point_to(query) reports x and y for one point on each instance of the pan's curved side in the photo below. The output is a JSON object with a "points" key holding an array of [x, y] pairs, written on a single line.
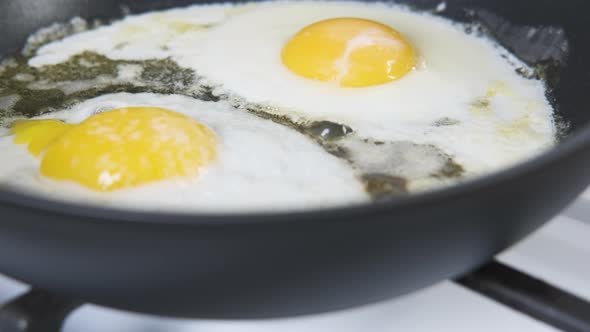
{"points": [[266, 270]]}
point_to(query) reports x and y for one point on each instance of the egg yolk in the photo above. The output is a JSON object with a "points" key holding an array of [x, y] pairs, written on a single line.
{"points": [[38, 134], [350, 51], [120, 148]]}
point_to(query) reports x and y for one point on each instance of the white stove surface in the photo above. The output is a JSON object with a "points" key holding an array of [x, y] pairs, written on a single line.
{"points": [[558, 253]]}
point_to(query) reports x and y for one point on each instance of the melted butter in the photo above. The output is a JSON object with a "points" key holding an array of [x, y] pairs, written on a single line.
{"points": [[518, 129]]}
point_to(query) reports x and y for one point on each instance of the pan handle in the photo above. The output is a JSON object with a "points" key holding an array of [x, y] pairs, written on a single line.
{"points": [[36, 311]]}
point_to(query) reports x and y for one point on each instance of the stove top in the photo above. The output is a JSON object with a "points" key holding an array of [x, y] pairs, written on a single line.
{"points": [[557, 254]]}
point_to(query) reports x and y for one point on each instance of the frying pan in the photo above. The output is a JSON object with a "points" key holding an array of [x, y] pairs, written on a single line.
{"points": [[277, 264]]}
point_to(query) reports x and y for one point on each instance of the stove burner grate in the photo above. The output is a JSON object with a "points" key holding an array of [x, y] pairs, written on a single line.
{"points": [[42, 311]]}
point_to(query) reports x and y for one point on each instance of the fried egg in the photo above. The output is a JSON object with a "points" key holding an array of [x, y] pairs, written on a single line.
{"points": [[462, 95], [387, 72], [119, 148], [154, 152]]}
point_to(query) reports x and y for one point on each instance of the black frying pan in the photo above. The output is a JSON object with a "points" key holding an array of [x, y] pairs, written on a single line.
{"points": [[268, 265]]}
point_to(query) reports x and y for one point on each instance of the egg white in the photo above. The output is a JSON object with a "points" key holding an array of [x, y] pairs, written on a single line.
{"points": [[237, 49], [455, 70], [260, 165]]}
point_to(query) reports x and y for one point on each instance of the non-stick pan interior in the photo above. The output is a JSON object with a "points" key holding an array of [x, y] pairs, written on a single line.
{"points": [[356, 256]]}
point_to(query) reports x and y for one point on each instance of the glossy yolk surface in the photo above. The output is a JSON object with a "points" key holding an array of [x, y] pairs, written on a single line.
{"points": [[120, 148], [350, 51], [38, 134]]}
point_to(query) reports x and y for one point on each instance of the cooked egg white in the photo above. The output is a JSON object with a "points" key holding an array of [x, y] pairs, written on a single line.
{"points": [[498, 117], [462, 95], [258, 165]]}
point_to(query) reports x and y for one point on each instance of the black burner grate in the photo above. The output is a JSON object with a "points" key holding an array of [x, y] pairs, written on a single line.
{"points": [[530, 296], [36, 311], [41, 311]]}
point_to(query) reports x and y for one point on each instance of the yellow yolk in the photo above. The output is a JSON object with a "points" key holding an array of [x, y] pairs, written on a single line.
{"points": [[350, 51], [38, 134], [120, 148]]}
